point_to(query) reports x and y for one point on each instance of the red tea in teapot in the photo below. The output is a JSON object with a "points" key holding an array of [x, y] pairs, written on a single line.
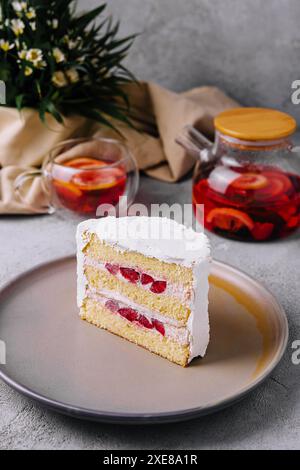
{"points": [[252, 202], [248, 179]]}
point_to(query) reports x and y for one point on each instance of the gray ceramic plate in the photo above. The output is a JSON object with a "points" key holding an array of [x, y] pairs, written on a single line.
{"points": [[73, 367]]}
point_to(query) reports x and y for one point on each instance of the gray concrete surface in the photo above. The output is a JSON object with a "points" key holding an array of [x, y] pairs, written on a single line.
{"points": [[251, 49], [268, 418]]}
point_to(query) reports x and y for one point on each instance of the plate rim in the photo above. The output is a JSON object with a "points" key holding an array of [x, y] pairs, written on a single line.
{"points": [[149, 418]]}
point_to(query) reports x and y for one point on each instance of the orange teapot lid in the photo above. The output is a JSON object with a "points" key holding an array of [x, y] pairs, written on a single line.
{"points": [[253, 124]]}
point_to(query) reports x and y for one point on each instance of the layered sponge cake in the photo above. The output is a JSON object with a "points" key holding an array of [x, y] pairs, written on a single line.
{"points": [[146, 280]]}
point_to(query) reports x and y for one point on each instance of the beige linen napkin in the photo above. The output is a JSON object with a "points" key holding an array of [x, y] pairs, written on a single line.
{"points": [[159, 115]]}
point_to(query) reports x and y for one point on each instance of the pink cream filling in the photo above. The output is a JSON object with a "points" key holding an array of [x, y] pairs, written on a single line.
{"points": [[134, 316], [141, 318], [146, 281]]}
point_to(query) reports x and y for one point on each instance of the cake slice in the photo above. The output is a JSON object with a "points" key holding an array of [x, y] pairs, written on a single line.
{"points": [[146, 280]]}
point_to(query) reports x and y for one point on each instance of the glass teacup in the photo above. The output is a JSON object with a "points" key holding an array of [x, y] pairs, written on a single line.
{"points": [[81, 174]]}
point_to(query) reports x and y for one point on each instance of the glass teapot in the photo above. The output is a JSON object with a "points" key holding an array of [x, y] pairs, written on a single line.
{"points": [[248, 180]]}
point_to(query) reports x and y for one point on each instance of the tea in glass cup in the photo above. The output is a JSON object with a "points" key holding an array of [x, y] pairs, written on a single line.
{"points": [[82, 174]]}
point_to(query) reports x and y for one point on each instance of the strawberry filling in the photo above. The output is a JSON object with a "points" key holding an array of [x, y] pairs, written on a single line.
{"points": [[128, 313], [158, 287], [130, 274], [136, 277], [133, 315], [112, 268], [146, 279], [145, 322], [112, 305], [159, 326]]}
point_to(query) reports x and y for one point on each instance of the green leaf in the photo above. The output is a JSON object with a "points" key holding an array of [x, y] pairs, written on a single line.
{"points": [[82, 21], [97, 116], [19, 101], [51, 108]]}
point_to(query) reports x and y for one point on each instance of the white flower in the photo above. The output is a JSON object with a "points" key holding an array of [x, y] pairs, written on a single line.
{"points": [[31, 14], [53, 23], [22, 54], [19, 6], [5, 45], [36, 57], [33, 25], [72, 75], [59, 79], [28, 71], [17, 26], [71, 43], [58, 55]]}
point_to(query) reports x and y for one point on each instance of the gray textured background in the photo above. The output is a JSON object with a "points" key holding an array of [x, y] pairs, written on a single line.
{"points": [[250, 48]]}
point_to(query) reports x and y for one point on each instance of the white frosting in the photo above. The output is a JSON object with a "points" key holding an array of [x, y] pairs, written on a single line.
{"points": [[156, 237], [166, 240], [198, 322]]}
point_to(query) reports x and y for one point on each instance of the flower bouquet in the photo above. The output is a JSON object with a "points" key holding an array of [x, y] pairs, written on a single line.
{"points": [[61, 69]]}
